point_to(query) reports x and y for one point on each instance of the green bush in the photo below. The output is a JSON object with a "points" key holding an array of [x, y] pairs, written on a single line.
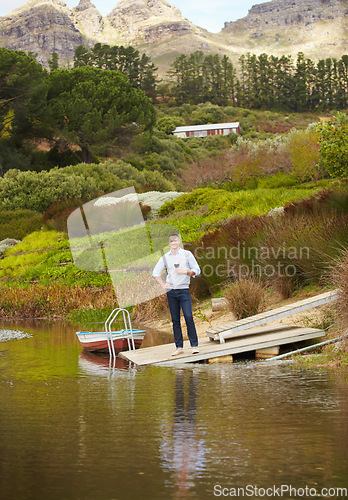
{"points": [[18, 223], [304, 153], [278, 180], [334, 144], [38, 190]]}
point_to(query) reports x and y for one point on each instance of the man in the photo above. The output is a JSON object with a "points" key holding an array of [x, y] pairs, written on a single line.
{"points": [[180, 265]]}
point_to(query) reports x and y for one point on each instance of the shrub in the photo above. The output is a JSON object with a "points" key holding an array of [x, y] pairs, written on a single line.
{"points": [[38, 190], [334, 144], [304, 153], [57, 214], [150, 310], [246, 297], [293, 251], [18, 223], [339, 278], [166, 125], [205, 172]]}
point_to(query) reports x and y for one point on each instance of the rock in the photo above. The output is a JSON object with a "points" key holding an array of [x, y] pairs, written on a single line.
{"points": [[219, 304], [6, 244], [148, 20], [41, 27], [90, 21], [283, 13], [47, 26]]}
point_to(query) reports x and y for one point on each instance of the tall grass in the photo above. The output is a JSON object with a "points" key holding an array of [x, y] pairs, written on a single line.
{"points": [[339, 278], [246, 297], [45, 257], [57, 300], [206, 209], [286, 251]]}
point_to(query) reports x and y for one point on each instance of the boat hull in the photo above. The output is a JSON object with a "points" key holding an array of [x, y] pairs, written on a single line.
{"points": [[97, 341]]}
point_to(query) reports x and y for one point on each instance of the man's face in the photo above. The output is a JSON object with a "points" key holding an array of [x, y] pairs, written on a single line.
{"points": [[174, 242]]}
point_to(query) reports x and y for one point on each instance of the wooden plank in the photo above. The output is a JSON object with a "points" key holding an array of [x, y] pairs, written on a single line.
{"points": [[268, 352], [161, 355], [230, 329]]}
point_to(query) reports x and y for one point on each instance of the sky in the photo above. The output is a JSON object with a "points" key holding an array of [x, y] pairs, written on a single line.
{"points": [[207, 14]]}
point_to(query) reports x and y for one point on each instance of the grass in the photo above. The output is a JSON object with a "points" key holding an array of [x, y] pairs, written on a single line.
{"points": [[54, 300], [45, 257], [246, 297], [206, 209], [18, 223], [332, 356], [38, 276]]}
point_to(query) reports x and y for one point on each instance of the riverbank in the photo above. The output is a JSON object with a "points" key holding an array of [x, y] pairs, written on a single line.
{"points": [[333, 356]]}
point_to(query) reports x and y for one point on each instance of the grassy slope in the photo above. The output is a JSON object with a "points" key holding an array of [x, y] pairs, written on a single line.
{"points": [[44, 256], [204, 210]]}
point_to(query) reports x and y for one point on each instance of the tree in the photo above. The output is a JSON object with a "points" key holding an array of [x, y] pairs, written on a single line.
{"points": [[22, 92], [88, 106], [53, 63], [22, 106], [138, 68], [334, 145], [166, 124]]}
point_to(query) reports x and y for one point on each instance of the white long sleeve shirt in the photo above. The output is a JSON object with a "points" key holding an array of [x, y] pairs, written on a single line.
{"points": [[183, 259]]}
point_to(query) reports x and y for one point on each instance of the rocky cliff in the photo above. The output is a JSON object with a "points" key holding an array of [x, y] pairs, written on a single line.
{"points": [[317, 27], [149, 21], [284, 13], [41, 27]]}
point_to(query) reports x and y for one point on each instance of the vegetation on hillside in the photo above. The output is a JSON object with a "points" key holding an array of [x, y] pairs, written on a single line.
{"points": [[260, 82], [273, 199]]}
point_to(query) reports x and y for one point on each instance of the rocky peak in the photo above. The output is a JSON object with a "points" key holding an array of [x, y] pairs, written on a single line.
{"points": [[148, 20], [84, 5], [35, 4], [90, 21], [41, 27], [283, 13]]}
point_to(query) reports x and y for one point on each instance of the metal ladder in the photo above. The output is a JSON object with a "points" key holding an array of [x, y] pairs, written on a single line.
{"points": [[126, 333]]}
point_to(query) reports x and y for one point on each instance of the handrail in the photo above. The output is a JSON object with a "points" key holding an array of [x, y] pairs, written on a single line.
{"points": [[128, 331]]}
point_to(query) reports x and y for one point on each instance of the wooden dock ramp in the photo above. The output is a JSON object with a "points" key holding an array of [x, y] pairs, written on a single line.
{"points": [[229, 330], [256, 339]]}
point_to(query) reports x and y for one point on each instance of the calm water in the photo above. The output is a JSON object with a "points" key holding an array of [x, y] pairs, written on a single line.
{"points": [[71, 428]]}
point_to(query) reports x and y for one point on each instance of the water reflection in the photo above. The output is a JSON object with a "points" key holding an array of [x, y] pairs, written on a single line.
{"points": [[99, 365], [182, 450], [73, 428]]}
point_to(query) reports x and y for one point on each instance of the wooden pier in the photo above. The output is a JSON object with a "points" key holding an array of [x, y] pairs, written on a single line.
{"points": [[245, 335], [261, 340], [229, 330]]}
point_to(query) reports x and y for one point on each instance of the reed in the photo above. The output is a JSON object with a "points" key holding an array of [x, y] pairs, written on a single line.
{"points": [[339, 278], [245, 297], [150, 310], [57, 300]]}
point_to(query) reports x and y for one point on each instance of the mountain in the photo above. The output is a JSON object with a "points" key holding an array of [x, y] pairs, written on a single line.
{"points": [[40, 26], [316, 27]]}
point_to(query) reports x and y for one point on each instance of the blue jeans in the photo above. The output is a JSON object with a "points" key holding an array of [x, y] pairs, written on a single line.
{"points": [[182, 299]]}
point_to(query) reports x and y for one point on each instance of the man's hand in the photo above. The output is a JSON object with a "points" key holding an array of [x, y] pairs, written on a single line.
{"points": [[164, 285], [188, 272]]}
